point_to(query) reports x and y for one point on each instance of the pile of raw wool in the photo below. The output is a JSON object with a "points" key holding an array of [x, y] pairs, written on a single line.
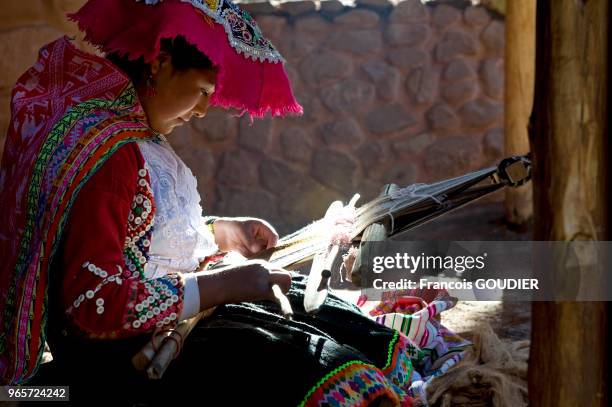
{"points": [[493, 373]]}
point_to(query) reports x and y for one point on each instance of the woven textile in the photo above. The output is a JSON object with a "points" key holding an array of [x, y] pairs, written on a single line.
{"points": [[70, 112], [436, 348]]}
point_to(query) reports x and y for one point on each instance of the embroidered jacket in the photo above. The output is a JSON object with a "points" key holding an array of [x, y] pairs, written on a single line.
{"points": [[105, 293], [70, 114]]}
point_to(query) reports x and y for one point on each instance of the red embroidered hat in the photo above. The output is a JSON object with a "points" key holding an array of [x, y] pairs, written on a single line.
{"points": [[251, 76]]}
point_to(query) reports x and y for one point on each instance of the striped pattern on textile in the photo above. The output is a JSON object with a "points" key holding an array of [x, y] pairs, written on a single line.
{"points": [[437, 348]]}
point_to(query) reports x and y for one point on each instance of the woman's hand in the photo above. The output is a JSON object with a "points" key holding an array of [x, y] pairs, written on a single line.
{"points": [[247, 236], [249, 281]]}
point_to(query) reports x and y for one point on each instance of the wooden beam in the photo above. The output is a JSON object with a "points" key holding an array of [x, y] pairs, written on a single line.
{"points": [[569, 139], [519, 83]]}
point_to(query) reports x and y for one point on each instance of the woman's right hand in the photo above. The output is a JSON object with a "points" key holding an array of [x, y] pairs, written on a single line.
{"points": [[251, 280]]}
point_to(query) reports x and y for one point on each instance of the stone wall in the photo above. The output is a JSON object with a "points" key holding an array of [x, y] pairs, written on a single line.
{"points": [[399, 93]]}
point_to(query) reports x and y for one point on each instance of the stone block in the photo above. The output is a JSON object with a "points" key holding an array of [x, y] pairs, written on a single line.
{"points": [[294, 76], [218, 125], [296, 144], [334, 169], [255, 9], [320, 68], [401, 174], [312, 107], [481, 112], [368, 189], [296, 8], [342, 132], [313, 25], [255, 136], [294, 47], [458, 69], [445, 15], [422, 85], [272, 26], [442, 117], [456, 43], [309, 204], [493, 143], [246, 201], [375, 4], [348, 95], [331, 6], [360, 42], [408, 58], [279, 178], [358, 18], [385, 78], [407, 35], [412, 145], [492, 74], [370, 154], [457, 92], [200, 160], [476, 16], [494, 38], [237, 167], [389, 118], [409, 11], [452, 157]]}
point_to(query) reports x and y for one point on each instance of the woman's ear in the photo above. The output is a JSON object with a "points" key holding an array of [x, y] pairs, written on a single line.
{"points": [[163, 61]]}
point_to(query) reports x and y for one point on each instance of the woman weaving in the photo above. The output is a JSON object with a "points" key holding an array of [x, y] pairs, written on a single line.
{"points": [[102, 236]]}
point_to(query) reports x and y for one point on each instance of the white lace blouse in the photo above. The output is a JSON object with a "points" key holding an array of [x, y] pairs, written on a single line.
{"points": [[180, 238]]}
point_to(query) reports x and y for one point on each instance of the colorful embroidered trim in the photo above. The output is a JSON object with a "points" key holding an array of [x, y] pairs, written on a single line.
{"points": [[140, 227], [243, 33], [158, 308], [90, 294], [69, 173], [356, 382]]}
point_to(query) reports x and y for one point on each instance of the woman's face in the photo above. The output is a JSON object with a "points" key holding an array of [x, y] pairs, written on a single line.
{"points": [[179, 95]]}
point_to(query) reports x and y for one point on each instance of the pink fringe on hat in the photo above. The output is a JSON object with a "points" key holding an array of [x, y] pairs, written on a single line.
{"points": [[251, 78]]}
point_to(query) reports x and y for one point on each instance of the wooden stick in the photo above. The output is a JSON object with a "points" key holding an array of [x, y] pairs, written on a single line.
{"points": [[162, 359], [154, 362], [282, 301]]}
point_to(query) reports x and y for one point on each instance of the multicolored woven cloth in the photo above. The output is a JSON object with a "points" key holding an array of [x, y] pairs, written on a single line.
{"points": [[70, 112], [436, 348]]}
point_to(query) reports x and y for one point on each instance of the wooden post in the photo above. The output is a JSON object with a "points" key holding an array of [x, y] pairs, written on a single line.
{"points": [[519, 77], [569, 143]]}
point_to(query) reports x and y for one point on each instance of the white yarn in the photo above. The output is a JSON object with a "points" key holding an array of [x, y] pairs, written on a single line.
{"points": [[411, 191]]}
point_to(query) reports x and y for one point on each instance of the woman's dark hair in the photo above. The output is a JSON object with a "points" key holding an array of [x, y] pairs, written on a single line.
{"points": [[183, 54]]}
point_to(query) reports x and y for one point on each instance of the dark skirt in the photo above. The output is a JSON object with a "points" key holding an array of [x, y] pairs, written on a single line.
{"points": [[248, 354]]}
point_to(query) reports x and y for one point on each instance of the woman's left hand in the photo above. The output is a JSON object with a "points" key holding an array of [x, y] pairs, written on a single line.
{"points": [[246, 236]]}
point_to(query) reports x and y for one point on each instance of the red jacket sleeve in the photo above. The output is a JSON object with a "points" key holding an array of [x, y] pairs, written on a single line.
{"points": [[106, 239]]}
